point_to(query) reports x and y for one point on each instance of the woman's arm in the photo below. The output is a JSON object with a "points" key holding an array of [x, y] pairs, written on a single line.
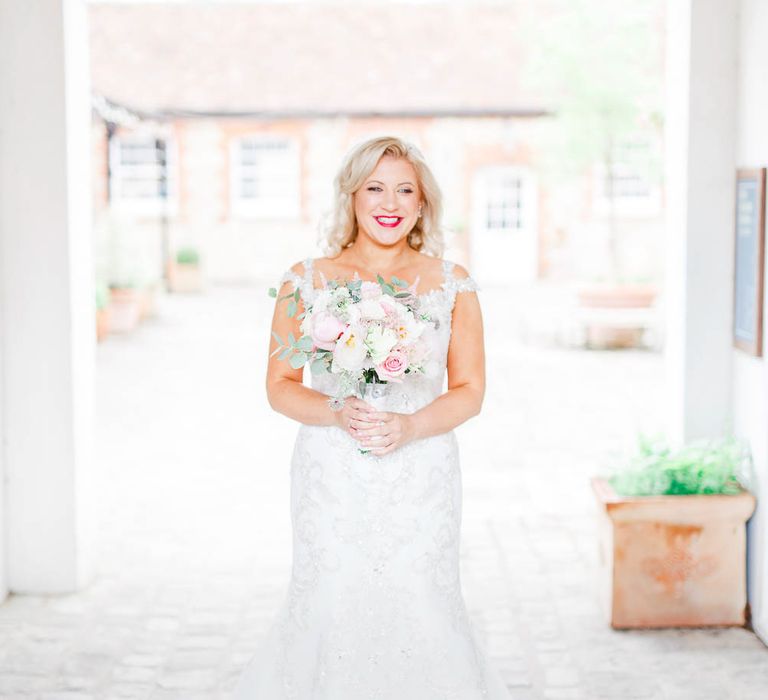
{"points": [[285, 389], [466, 383]]}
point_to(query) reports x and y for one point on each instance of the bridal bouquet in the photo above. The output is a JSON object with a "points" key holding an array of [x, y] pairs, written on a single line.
{"points": [[365, 332]]}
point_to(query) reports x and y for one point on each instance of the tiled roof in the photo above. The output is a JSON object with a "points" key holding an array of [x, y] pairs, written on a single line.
{"points": [[345, 57]]}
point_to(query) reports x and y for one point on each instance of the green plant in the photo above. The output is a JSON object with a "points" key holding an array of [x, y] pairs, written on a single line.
{"points": [[187, 256], [716, 466], [102, 295]]}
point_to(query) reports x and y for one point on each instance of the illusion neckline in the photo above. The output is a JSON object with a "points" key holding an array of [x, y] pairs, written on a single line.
{"points": [[428, 293], [443, 288]]}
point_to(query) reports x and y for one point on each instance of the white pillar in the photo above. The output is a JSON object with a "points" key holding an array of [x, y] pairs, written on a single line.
{"points": [[46, 293], [700, 178]]}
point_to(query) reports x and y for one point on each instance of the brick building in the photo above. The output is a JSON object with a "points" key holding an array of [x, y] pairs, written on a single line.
{"points": [[253, 107]]}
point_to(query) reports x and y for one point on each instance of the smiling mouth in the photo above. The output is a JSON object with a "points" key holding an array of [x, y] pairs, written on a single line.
{"points": [[388, 221]]}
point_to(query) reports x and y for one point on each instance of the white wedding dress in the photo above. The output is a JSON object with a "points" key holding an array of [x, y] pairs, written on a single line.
{"points": [[374, 609]]}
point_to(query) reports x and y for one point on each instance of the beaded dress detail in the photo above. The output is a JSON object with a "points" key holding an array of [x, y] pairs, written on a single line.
{"points": [[374, 609]]}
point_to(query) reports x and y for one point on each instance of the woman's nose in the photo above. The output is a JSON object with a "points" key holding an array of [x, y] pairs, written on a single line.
{"points": [[390, 201]]}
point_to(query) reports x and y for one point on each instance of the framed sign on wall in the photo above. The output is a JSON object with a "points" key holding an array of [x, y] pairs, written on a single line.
{"points": [[748, 260]]}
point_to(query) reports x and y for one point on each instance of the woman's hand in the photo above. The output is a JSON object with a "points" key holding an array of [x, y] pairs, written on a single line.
{"points": [[354, 414], [383, 431]]}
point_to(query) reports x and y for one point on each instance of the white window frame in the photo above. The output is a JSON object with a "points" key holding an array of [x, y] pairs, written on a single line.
{"points": [[635, 172], [287, 205], [525, 206], [144, 206]]}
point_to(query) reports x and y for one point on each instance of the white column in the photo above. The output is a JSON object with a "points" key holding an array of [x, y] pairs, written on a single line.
{"points": [[46, 293], [700, 157]]}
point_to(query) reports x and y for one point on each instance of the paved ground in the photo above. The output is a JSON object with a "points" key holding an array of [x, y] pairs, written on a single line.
{"points": [[194, 540]]}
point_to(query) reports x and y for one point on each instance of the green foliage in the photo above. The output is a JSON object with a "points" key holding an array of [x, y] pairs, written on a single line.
{"points": [[187, 256], [716, 466], [102, 295]]}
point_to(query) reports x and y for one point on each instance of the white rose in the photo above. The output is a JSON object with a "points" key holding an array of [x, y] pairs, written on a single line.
{"points": [[370, 308], [380, 341]]}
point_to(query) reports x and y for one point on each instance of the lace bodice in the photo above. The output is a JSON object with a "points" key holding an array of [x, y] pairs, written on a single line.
{"points": [[417, 390]]}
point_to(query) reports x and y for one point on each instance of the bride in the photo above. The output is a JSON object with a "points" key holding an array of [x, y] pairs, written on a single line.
{"points": [[374, 609]]}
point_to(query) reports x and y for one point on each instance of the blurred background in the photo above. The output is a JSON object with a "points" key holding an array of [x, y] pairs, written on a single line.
{"points": [[218, 128], [162, 165]]}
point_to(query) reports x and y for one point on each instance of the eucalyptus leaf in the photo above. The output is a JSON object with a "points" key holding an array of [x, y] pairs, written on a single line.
{"points": [[285, 354], [292, 308], [304, 343], [291, 339], [318, 366], [272, 292], [278, 338], [298, 360]]}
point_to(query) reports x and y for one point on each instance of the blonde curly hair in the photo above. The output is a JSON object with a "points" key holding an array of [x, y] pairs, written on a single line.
{"points": [[358, 164]]}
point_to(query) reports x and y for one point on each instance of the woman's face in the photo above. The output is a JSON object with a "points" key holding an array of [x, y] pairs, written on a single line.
{"points": [[387, 205]]}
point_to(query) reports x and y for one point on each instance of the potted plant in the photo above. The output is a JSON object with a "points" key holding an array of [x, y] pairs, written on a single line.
{"points": [[672, 535], [103, 311], [125, 305], [184, 274], [603, 300]]}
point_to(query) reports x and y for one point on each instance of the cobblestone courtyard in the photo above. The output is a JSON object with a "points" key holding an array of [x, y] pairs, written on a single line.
{"points": [[193, 528]]}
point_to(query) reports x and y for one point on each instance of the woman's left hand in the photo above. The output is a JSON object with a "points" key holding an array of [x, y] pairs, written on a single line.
{"points": [[388, 432]]}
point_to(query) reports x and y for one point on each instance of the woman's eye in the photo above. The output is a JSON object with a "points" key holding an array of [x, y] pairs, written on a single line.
{"points": [[375, 188]]}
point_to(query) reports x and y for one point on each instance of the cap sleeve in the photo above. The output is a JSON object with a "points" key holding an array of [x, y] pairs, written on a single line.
{"points": [[303, 284], [291, 276], [456, 284], [466, 284]]}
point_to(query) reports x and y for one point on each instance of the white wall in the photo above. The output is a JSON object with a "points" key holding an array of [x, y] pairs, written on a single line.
{"points": [[700, 152], [750, 399], [47, 335]]}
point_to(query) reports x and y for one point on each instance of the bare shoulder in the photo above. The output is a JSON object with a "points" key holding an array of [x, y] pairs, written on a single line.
{"points": [[298, 267], [460, 272]]}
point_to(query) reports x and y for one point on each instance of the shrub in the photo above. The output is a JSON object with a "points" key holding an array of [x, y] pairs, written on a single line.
{"points": [[187, 256], [715, 466]]}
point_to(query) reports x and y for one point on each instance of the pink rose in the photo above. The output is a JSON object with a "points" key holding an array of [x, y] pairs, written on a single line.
{"points": [[393, 366], [326, 329]]}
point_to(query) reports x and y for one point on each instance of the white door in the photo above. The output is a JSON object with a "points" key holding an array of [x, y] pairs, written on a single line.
{"points": [[504, 236]]}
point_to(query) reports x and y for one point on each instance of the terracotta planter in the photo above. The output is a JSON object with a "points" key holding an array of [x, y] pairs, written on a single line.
{"points": [[125, 306], [607, 326], [185, 277], [673, 561], [616, 296], [103, 323]]}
